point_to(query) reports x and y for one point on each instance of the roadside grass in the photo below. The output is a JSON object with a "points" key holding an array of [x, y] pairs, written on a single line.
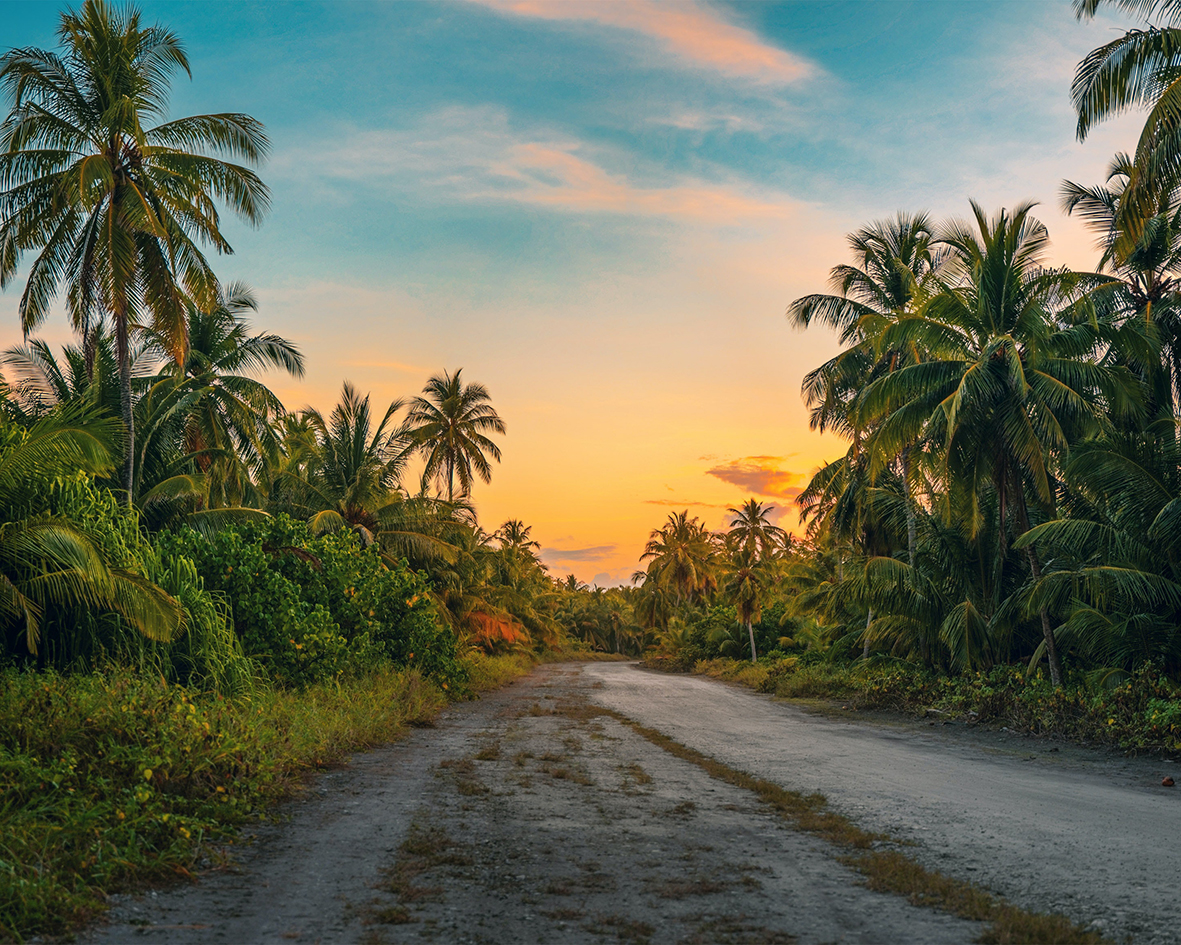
{"points": [[886, 870], [113, 781], [1140, 711]]}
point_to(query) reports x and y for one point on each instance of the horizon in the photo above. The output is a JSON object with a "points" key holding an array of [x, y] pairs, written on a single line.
{"points": [[602, 212]]}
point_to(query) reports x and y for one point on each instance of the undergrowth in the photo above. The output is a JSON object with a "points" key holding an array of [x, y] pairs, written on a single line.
{"points": [[1142, 712], [111, 781]]}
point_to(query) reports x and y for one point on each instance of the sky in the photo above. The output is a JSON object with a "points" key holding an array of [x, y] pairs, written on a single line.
{"points": [[601, 211]]}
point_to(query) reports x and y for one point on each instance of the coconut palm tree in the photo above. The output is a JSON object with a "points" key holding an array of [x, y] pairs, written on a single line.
{"points": [[448, 426], [116, 206], [683, 558], [745, 587], [752, 532], [1007, 386], [227, 428], [897, 267], [356, 468], [1140, 69]]}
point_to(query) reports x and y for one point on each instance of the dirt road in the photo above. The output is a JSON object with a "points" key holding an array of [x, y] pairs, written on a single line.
{"points": [[1052, 827], [529, 817]]}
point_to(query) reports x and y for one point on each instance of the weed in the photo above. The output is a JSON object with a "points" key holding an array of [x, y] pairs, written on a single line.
{"points": [[733, 930], [684, 888], [625, 930]]}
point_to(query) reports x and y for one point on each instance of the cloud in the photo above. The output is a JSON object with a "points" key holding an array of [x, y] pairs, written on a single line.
{"points": [[592, 553], [686, 503], [694, 33], [760, 475], [473, 155]]}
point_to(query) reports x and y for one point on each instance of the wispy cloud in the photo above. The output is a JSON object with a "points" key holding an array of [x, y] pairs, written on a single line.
{"points": [[592, 553], [472, 154], [687, 503], [760, 475], [695, 34]]}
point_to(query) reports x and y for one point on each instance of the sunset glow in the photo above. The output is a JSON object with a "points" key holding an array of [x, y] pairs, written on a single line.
{"points": [[602, 210]]}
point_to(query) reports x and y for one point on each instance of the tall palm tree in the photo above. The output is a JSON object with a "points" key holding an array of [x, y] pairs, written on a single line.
{"points": [[1143, 295], [745, 586], [356, 468], [1140, 69], [448, 426], [228, 427], [118, 207], [752, 532], [897, 266], [682, 556], [1008, 386]]}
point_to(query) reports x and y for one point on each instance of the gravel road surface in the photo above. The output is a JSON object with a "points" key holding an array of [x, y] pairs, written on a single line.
{"points": [[1052, 827]]}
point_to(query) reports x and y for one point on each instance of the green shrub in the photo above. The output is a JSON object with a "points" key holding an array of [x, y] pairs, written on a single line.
{"points": [[110, 780], [313, 608]]}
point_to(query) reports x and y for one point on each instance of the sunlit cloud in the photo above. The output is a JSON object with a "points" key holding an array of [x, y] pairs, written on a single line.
{"points": [[472, 155], [593, 553], [760, 475], [694, 33], [685, 503]]}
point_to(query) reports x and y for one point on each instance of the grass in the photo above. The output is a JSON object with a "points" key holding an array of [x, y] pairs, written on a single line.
{"points": [[884, 869], [114, 781], [1141, 712]]}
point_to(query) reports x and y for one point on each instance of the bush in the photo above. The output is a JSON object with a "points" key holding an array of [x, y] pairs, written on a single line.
{"points": [[114, 779], [315, 608]]}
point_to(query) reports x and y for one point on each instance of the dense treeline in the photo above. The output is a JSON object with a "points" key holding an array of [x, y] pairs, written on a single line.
{"points": [[164, 509], [1011, 488]]}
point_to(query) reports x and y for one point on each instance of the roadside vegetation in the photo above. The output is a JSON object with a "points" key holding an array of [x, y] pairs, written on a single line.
{"points": [[1000, 538], [203, 594]]}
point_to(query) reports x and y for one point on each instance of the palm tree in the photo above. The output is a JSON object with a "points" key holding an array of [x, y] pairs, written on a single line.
{"points": [[1140, 69], [49, 562], [117, 207], [682, 557], [752, 532], [1008, 387], [448, 427], [356, 469], [1142, 297], [745, 587], [227, 428], [897, 266]]}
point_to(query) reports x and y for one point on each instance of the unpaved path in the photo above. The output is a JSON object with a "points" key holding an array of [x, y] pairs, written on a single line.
{"points": [[1053, 828], [525, 818]]}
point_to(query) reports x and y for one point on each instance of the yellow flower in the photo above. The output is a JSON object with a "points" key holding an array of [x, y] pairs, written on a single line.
{"points": [[120, 815], [184, 833], [220, 789]]}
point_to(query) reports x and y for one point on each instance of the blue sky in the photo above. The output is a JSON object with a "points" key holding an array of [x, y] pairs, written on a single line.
{"points": [[602, 211]]}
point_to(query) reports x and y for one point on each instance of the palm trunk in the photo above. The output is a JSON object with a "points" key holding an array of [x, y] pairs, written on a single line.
{"points": [[1035, 568], [1047, 631], [865, 636], [123, 354], [910, 526], [751, 630]]}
